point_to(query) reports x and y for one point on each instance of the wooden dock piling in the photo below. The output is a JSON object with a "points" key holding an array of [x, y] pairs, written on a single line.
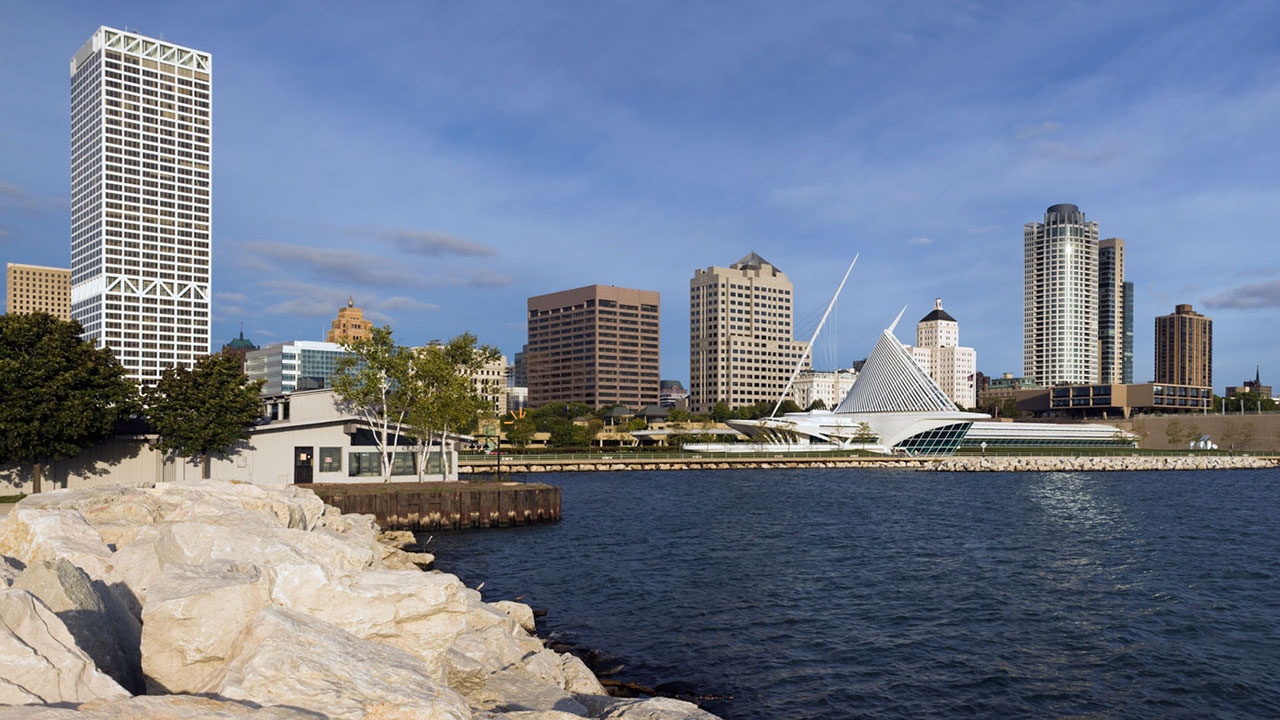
{"points": [[446, 505]]}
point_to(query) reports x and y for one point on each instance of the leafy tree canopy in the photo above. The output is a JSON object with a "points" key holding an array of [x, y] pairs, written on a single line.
{"points": [[58, 394], [205, 409]]}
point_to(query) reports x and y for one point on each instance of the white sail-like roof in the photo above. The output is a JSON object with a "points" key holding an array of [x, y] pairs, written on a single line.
{"points": [[892, 381]]}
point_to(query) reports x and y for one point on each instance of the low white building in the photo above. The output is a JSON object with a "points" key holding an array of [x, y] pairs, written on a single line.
{"points": [[829, 387], [938, 351], [307, 437]]}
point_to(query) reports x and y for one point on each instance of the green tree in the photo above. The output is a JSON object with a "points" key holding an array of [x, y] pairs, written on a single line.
{"points": [[817, 405], [1175, 432], [864, 435], [721, 412], [203, 410], [520, 431], [679, 415], [440, 395], [369, 382], [58, 394]]}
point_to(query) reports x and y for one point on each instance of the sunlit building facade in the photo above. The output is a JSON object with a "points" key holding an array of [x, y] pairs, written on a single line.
{"points": [[140, 199], [1060, 298]]}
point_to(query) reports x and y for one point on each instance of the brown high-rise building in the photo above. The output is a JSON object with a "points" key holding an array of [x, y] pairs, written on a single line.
{"points": [[35, 288], [596, 345], [349, 325], [1184, 348]]}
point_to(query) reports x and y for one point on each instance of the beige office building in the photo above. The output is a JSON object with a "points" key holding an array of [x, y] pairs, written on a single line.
{"points": [[140, 199], [349, 325], [939, 353], [35, 288], [490, 381], [1184, 348], [596, 345], [741, 349]]}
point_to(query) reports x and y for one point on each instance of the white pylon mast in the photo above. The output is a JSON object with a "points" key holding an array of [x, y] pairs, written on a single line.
{"points": [[809, 348]]}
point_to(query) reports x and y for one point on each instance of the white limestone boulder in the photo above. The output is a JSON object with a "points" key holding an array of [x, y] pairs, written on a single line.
{"points": [[192, 618], [286, 658], [136, 566], [9, 571], [289, 507], [514, 690], [421, 613], [117, 512], [40, 662], [654, 709], [159, 707], [521, 613], [30, 534], [100, 625], [564, 671]]}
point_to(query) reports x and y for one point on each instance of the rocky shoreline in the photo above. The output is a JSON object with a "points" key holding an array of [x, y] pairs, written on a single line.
{"points": [[221, 600], [1103, 464]]}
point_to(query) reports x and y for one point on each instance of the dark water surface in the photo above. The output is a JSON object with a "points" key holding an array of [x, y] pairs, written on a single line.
{"points": [[895, 594]]}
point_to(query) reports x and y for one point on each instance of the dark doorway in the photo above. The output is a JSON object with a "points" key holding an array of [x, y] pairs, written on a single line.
{"points": [[303, 466]]}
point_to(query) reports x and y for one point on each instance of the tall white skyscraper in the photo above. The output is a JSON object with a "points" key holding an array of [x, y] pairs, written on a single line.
{"points": [[140, 200], [1060, 298]]}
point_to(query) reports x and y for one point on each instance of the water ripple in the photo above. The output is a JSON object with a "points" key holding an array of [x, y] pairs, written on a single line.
{"points": [[887, 594]]}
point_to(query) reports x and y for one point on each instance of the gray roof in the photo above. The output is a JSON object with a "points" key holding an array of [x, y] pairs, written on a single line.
{"points": [[751, 261]]}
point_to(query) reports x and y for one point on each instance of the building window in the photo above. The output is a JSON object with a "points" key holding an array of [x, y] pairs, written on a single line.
{"points": [[363, 464], [330, 459]]}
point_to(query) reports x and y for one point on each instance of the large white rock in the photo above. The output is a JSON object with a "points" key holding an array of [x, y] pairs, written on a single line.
{"points": [[158, 707], [655, 709], [101, 626], [10, 569], [30, 535], [521, 613], [564, 671], [515, 690], [40, 662], [289, 507], [115, 511], [193, 616], [286, 658], [421, 613], [139, 564]]}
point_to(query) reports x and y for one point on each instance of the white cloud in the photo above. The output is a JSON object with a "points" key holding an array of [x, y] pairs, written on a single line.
{"points": [[920, 241]]}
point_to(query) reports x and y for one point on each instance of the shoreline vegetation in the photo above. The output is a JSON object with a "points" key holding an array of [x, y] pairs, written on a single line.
{"points": [[227, 600]]}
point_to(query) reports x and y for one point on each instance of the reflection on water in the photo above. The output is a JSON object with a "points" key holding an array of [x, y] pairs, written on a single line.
{"points": [[838, 593]]}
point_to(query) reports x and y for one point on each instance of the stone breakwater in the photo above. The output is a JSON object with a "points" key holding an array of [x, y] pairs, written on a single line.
{"points": [[218, 600], [521, 467], [1103, 464]]}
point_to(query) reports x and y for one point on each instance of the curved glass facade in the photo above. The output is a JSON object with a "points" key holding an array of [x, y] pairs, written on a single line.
{"points": [[938, 441]]}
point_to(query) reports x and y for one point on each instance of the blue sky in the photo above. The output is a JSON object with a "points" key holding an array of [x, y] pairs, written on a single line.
{"points": [[441, 162]]}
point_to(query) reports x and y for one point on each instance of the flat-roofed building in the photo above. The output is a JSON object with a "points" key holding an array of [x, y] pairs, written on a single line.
{"points": [[36, 288], [741, 348], [1114, 338], [1111, 401], [829, 387], [1184, 348], [140, 199], [596, 345], [297, 365], [490, 381]]}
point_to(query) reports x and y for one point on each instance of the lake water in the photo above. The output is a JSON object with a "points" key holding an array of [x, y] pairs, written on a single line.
{"points": [[898, 594]]}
